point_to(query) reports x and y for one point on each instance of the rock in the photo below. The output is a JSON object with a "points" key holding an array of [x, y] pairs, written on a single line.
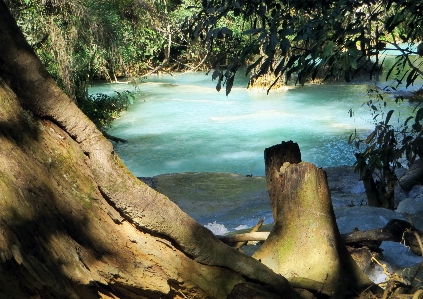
{"points": [[364, 218], [413, 176], [410, 206]]}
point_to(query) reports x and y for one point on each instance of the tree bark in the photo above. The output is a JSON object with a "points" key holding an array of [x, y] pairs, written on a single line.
{"points": [[75, 222], [274, 157], [305, 245]]}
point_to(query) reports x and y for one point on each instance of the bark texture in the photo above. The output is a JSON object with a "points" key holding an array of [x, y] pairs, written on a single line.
{"points": [[274, 157], [75, 222], [305, 245]]}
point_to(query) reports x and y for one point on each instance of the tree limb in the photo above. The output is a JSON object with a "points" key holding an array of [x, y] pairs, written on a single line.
{"points": [[396, 231]]}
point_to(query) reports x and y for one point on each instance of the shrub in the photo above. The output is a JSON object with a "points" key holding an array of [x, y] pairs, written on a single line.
{"points": [[387, 148], [102, 109]]}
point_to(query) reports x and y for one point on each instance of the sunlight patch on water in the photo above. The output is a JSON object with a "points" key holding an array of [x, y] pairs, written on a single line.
{"points": [[237, 155], [254, 116]]}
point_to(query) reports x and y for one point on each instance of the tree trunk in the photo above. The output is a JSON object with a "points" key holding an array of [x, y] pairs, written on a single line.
{"points": [[74, 222], [274, 157], [305, 245], [371, 191], [380, 193]]}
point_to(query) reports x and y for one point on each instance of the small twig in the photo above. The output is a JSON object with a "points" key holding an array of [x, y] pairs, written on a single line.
{"points": [[178, 292]]}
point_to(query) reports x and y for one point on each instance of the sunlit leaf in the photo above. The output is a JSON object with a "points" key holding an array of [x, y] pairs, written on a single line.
{"points": [[370, 137]]}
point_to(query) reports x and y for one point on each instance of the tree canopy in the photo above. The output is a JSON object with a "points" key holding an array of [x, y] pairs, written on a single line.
{"points": [[332, 39]]}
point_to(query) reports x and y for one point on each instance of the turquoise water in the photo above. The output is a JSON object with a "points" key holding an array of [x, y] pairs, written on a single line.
{"points": [[181, 123]]}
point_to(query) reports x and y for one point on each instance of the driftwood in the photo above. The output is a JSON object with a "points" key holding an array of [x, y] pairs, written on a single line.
{"points": [[254, 229], [395, 230], [244, 237]]}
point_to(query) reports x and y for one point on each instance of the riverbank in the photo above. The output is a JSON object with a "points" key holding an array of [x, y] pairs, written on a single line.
{"points": [[238, 201], [226, 202]]}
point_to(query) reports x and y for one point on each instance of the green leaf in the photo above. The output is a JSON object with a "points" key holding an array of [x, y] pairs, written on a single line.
{"points": [[280, 67], [410, 78], [285, 45], [388, 116], [350, 139], [226, 31], [285, 32], [216, 73], [252, 31], [328, 49], [252, 66], [419, 115], [229, 84], [219, 84], [407, 120], [315, 52], [380, 46], [370, 137]]}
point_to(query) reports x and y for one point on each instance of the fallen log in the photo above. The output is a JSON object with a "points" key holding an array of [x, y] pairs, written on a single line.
{"points": [[395, 230]]}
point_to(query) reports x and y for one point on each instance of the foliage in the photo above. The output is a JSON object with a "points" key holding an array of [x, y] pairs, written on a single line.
{"points": [[387, 148], [307, 38], [83, 39], [102, 109]]}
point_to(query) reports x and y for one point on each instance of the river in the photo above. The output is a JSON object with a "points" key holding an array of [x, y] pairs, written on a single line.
{"points": [[180, 123]]}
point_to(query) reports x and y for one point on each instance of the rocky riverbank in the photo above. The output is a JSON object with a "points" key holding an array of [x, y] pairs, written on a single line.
{"points": [[208, 197], [225, 202]]}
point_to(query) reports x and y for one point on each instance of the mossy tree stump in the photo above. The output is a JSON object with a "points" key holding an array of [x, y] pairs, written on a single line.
{"points": [[305, 245]]}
